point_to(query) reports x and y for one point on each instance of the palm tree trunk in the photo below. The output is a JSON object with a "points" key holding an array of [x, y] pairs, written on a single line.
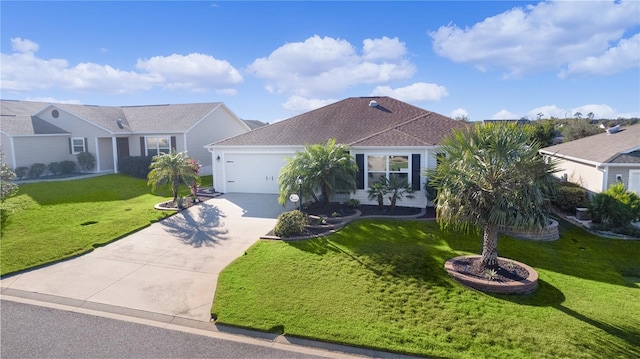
{"points": [[490, 246]]}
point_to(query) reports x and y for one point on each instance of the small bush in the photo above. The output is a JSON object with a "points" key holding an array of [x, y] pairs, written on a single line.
{"points": [[290, 224], [36, 170], [570, 196], [67, 167], [54, 168], [628, 230], [135, 166], [615, 208], [21, 172], [352, 203], [86, 160]]}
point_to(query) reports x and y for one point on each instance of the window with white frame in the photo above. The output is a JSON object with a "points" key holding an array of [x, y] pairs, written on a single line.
{"points": [[634, 181], [157, 145], [386, 166], [77, 145]]}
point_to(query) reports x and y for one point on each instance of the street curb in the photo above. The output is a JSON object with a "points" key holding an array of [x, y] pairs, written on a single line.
{"points": [[294, 344]]}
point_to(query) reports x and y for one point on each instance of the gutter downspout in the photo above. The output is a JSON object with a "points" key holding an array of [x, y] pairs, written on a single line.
{"points": [[605, 181]]}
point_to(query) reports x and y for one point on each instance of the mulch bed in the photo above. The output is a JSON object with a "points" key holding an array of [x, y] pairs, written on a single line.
{"points": [[329, 210], [507, 271], [186, 202]]}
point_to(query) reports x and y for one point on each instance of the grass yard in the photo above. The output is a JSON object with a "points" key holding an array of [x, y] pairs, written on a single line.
{"points": [[48, 221], [381, 284]]}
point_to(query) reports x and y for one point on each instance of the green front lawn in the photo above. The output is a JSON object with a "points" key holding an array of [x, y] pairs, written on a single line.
{"points": [[48, 221], [381, 284]]}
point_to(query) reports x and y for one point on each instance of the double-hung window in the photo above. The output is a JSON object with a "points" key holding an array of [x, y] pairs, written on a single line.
{"points": [[387, 166], [77, 145], [157, 145]]}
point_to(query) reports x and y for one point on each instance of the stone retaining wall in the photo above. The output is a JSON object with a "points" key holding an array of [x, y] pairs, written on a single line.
{"points": [[549, 233]]}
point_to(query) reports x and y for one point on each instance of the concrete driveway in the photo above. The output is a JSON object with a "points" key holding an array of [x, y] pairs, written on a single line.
{"points": [[169, 268]]}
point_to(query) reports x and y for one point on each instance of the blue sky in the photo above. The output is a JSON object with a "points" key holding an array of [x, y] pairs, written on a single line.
{"points": [[272, 60]]}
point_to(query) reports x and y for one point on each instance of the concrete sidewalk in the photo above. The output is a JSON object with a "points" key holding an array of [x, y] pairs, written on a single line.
{"points": [[169, 268]]}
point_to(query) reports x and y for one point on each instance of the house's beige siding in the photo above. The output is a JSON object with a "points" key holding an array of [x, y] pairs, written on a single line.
{"points": [[587, 176], [42, 149], [623, 172], [218, 125]]}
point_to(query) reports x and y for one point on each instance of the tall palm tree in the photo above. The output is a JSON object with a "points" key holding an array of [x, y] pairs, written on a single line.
{"points": [[172, 168], [491, 177], [322, 167]]}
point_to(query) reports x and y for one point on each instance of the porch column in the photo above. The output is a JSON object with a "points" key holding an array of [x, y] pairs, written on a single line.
{"points": [[114, 148]]}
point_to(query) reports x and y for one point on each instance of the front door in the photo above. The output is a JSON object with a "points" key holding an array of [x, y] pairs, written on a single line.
{"points": [[122, 143]]}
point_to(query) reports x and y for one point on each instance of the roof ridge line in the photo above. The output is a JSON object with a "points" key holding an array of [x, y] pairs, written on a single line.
{"points": [[391, 128]]}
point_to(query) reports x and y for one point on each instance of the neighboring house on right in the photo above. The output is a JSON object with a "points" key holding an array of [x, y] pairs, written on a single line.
{"points": [[596, 162]]}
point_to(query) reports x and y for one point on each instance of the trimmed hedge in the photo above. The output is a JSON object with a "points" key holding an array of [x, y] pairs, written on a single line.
{"points": [[67, 167], [137, 166], [290, 224], [21, 172], [37, 169], [570, 196]]}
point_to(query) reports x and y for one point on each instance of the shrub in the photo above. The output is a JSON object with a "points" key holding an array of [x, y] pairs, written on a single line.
{"points": [[21, 172], [627, 230], [67, 167], [616, 207], [135, 166], [55, 168], [36, 170], [86, 160], [352, 203], [290, 224], [570, 196]]}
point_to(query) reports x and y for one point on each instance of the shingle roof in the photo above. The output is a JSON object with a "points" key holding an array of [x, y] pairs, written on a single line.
{"points": [[601, 148], [353, 122], [17, 116]]}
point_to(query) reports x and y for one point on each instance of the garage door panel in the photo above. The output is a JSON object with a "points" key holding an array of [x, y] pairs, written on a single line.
{"points": [[253, 173]]}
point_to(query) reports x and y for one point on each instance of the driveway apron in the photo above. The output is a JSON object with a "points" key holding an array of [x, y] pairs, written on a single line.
{"points": [[170, 267]]}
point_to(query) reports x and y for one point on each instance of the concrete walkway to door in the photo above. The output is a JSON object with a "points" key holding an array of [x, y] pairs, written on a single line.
{"points": [[169, 268]]}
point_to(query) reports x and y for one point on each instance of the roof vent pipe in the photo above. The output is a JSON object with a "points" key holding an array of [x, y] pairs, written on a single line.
{"points": [[373, 103]]}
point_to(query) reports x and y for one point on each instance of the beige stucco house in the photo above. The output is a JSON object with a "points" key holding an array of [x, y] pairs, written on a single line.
{"points": [[596, 162], [40, 132], [385, 136]]}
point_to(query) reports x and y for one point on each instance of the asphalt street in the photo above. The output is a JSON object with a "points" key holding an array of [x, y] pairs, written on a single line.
{"points": [[29, 331]]}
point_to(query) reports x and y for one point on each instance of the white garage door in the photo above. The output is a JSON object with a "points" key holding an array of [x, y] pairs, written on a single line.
{"points": [[253, 173]]}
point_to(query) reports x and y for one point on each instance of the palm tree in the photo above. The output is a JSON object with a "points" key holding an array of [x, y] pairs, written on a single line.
{"points": [[377, 191], [492, 177], [172, 168], [399, 188], [322, 167]]}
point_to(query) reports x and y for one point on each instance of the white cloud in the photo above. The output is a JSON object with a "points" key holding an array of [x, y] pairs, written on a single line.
{"points": [[23, 45], [617, 59], [504, 115], [299, 104], [24, 71], [417, 92], [53, 100], [548, 112], [324, 66], [541, 37], [459, 113], [599, 111], [384, 48], [196, 72]]}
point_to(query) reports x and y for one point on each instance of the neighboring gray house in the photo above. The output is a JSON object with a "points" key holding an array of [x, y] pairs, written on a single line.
{"points": [[40, 132], [596, 162], [385, 136]]}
